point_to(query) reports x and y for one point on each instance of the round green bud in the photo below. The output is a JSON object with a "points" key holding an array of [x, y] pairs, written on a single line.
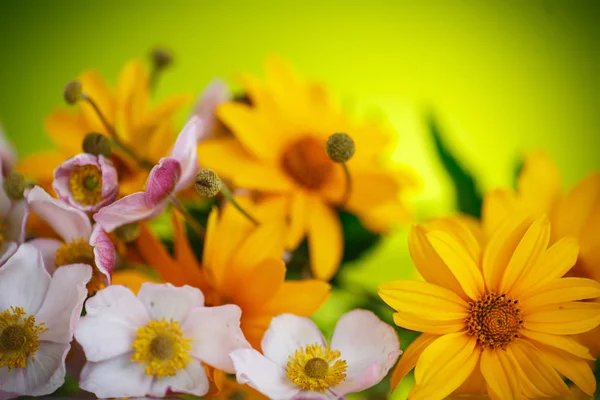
{"points": [[14, 186], [128, 232], [208, 183], [340, 147], [97, 144], [73, 92], [161, 58]]}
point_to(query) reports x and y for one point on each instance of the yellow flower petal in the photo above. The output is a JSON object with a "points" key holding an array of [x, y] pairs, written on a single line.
{"points": [[132, 97], [500, 372], [445, 365], [555, 261], [464, 229], [298, 297], [96, 88], [39, 166], [459, 261], [184, 255], [370, 189], [255, 287], [559, 291], [420, 323], [67, 130], [497, 206], [298, 220], [574, 368], [210, 245], [565, 343], [539, 182], [154, 252], [131, 279], [564, 318], [410, 356], [538, 377], [325, 240]]}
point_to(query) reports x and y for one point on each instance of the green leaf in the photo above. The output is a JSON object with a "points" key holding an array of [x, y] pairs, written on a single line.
{"points": [[357, 239], [468, 195]]}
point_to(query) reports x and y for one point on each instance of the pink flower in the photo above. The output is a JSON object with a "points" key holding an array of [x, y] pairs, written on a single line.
{"points": [[38, 314], [216, 93], [298, 364], [86, 182], [171, 175], [13, 219], [8, 154], [156, 342], [81, 243]]}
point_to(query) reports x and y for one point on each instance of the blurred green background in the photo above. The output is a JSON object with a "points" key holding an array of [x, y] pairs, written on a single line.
{"points": [[503, 77]]}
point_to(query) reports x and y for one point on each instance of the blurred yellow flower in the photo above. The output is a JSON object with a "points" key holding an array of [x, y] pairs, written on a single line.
{"points": [[496, 314], [279, 150], [576, 213], [146, 129]]}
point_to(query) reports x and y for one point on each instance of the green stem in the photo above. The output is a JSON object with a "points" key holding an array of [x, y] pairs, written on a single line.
{"points": [[227, 194], [348, 189]]}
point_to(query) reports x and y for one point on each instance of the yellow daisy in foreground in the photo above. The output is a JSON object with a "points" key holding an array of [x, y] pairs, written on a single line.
{"points": [[496, 317], [576, 213], [279, 149], [146, 129]]}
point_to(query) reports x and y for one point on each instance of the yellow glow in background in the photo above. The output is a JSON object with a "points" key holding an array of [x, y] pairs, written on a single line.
{"points": [[504, 77]]}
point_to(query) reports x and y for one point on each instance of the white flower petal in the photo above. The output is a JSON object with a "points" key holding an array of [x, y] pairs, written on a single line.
{"points": [[215, 332], [109, 328], [7, 249], [23, 280], [16, 221], [288, 333], [47, 248], [191, 380], [115, 377], [40, 377], [369, 346], [64, 300], [170, 302], [262, 374], [315, 396]]}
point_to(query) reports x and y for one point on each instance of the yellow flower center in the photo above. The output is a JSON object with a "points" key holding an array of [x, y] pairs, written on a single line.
{"points": [[161, 346], [19, 337], [79, 251], [307, 162], [495, 320], [316, 369], [86, 184]]}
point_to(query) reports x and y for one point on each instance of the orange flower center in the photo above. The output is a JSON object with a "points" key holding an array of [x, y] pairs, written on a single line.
{"points": [[79, 251], [495, 320], [307, 162]]}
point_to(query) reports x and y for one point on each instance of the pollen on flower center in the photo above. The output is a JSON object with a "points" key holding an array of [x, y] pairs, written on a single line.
{"points": [[79, 251], [161, 346], [495, 320], [307, 162], [316, 369], [19, 337], [85, 182]]}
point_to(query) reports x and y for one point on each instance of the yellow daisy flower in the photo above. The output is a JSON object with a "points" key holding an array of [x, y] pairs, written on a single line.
{"points": [[279, 149], [146, 129], [576, 213], [495, 315]]}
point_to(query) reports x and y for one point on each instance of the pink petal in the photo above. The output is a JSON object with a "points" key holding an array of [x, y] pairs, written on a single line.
{"points": [[16, 221], [215, 332], [110, 326], [132, 208], [70, 223], [23, 280], [369, 346], [8, 153], [47, 248], [104, 252], [162, 181], [288, 333], [110, 180], [115, 377], [63, 303], [216, 93], [191, 380], [184, 151], [262, 374], [163, 300], [5, 202], [7, 249]]}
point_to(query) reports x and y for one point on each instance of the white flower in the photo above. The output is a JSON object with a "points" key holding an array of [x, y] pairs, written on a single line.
{"points": [[38, 314], [298, 364], [155, 342]]}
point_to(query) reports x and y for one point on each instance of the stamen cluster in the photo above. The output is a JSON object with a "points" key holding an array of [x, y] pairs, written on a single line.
{"points": [[495, 320]]}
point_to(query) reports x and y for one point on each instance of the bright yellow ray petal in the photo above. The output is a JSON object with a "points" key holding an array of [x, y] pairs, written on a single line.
{"points": [[325, 239], [420, 323], [539, 182], [559, 291], [409, 357], [67, 130], [184, 255], [555, 261], [259, 285], [497, 206], [525, 257], [370, 189], [298, 297], [210, 245], [155, 254], [384, 218], [97, 89], [131, 279], [565, 343], [132, 97], [564, 318], [298, 220], [459, 261], [40, 166], [538, 377], [574, 368], [500, 373], [464, 229], [445, 365]]}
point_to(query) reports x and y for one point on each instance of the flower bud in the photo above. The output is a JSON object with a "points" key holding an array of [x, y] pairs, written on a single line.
{"points": [[14, 186], [161, 58], [73, 92], [128, 232], [208, 183], [97, 144], [340, 147]]}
